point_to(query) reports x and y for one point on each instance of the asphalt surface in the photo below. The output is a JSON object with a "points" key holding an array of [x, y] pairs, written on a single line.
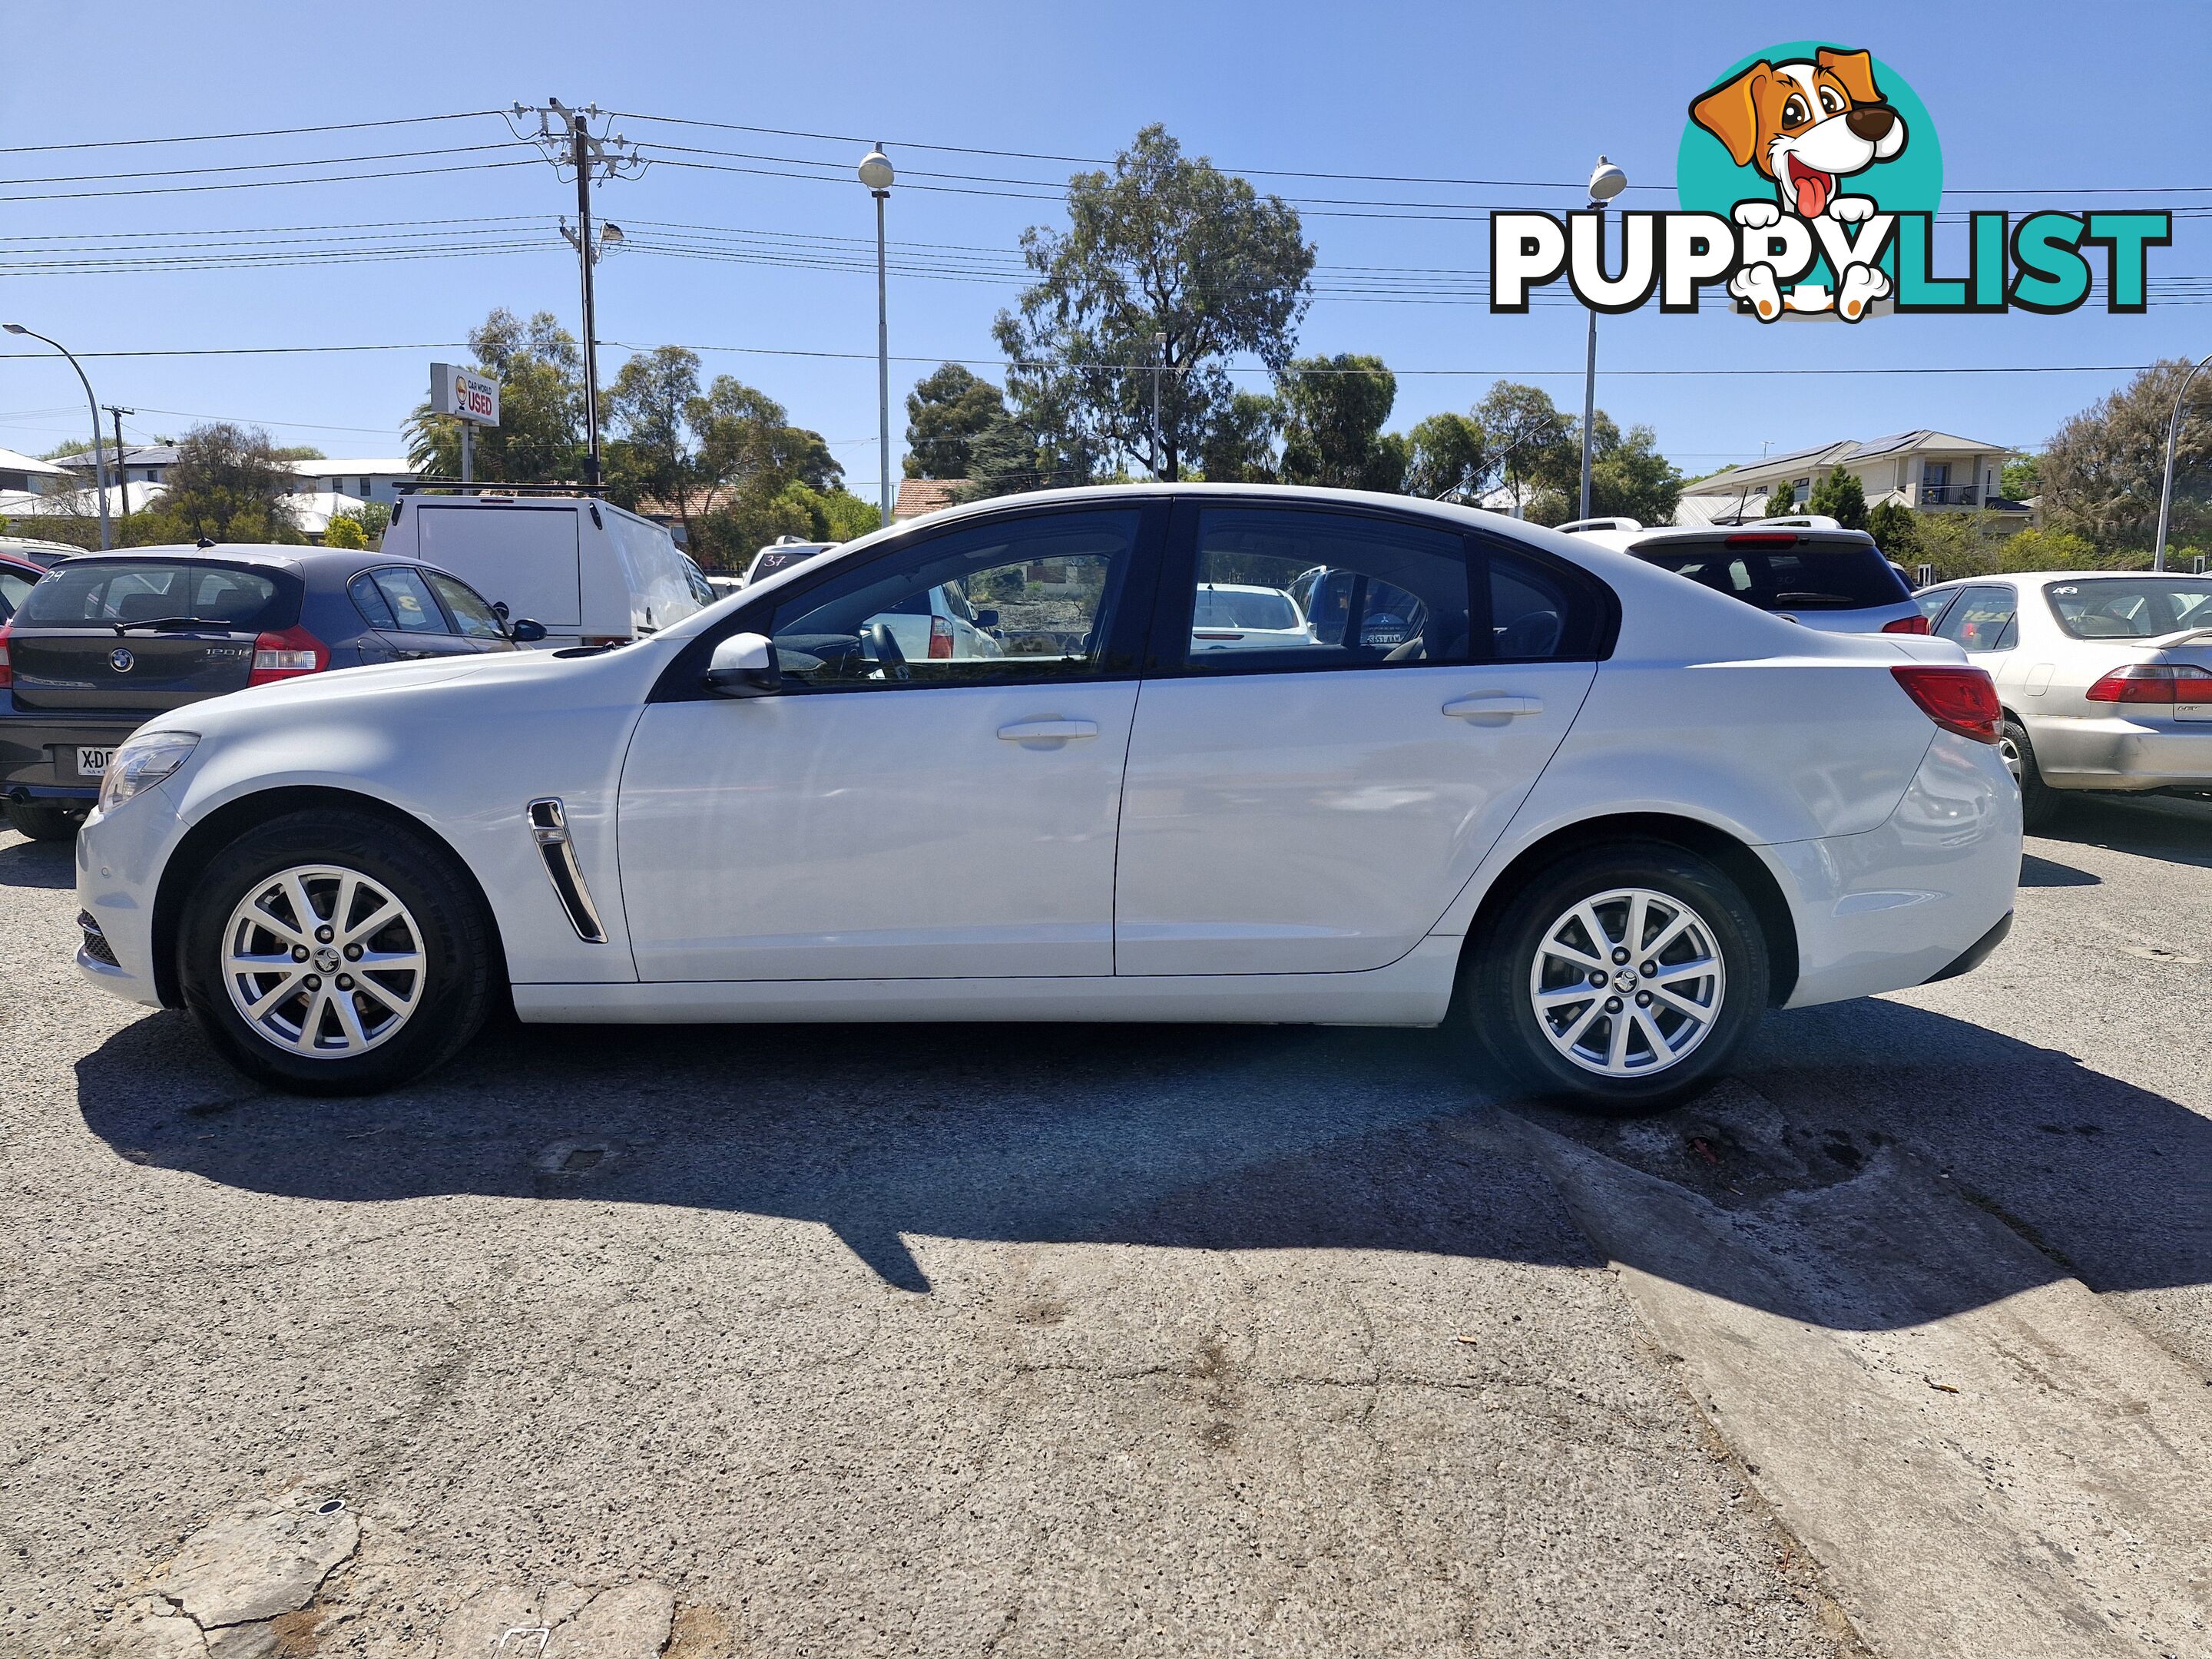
{"points": [[1029, 1340]]}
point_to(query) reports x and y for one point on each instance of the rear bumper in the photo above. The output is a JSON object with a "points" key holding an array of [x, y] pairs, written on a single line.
{"points": [[37, 751], [1916, 899], [2118, 752]]}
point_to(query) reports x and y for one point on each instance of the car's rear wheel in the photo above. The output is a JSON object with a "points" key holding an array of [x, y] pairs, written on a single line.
{"points": [[1622, 979], [332, 952], [45, 820], [2039, 803]]}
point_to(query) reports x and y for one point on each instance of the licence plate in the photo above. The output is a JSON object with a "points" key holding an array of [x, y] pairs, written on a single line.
{"points": [[91, 763], [2193, 711]]}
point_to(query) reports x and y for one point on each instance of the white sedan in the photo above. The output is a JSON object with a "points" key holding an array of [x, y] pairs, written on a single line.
{"points": [[1596, 817]]}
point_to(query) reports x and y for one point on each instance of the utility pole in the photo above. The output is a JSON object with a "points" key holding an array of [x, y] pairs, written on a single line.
{"points": [[1159, 432], [565, 136], [122, 472]]}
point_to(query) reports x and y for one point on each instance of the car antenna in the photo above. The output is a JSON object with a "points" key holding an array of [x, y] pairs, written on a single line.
{"points": [[206, 541]]}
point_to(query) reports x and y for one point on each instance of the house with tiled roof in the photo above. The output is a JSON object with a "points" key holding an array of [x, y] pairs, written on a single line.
{"points": [[919, 496], [1926, 470]]}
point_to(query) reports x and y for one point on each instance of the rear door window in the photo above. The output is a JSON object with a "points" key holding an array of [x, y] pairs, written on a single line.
{"points": [[414, 607], [15, 588], [1984, 619], [1781, 571]]}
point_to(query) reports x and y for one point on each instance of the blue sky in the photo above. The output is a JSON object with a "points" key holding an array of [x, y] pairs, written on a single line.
{"points": [[2038, 97]]}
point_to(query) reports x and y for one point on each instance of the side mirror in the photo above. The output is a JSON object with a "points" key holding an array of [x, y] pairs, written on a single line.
{"points": [[986, 619], [744, 665], [525, 632]]}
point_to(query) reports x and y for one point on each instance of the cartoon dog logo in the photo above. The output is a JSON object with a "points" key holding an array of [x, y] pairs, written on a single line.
{"points": [[1807, 124]]}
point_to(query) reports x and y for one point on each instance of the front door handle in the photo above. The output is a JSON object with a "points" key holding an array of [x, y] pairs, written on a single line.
{"points": [[1047, 731], [1489, 708]]}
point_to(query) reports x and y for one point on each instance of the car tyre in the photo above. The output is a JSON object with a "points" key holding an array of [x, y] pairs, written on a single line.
{"points": [[2039, 804], [396, 1023], [45, 820], [1532, 943]]}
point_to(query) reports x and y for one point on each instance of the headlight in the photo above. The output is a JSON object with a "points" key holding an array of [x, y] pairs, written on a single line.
{"points": [[142, 762]]}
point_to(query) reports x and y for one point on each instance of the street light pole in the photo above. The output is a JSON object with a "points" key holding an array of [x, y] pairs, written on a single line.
{"points": [[99, 463], [876, 174], [1606, 183], [2173, 440], [1159, 431]]}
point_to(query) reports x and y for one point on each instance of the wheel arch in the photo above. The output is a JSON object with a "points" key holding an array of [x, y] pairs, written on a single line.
{"points": [[206, 838], [1735, 858]]}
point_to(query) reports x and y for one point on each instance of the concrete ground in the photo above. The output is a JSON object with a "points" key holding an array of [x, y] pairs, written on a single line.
{"points": [[1106, 1340]]}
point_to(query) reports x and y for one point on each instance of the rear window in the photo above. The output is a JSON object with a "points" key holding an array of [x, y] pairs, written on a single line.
{"points": [[89, 593], [2133, 608], [1801, 574]]}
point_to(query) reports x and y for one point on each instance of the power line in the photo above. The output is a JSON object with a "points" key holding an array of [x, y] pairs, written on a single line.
{"points": [[262, 184], [256, 166], [1573, 185], [265, 132]]}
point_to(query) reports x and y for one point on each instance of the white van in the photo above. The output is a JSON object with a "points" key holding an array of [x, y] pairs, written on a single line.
{"points": [[593, 574]]}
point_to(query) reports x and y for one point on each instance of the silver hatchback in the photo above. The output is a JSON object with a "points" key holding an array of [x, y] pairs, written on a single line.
{"points": [[2105, 679]]}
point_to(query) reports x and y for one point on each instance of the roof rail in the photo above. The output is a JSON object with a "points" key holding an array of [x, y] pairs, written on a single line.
{"points": [[492, 487], [1572, 526]]}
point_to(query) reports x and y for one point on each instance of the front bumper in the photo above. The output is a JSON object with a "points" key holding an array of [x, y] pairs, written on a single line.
{"points": [[37, 751], [119, 857], [1918, 898]]}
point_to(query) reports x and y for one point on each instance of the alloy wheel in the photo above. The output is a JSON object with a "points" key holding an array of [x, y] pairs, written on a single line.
{"points": [[1628, 983], [323, 960]]}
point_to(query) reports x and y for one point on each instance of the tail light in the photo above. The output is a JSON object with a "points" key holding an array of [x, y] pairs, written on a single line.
{"points": [[1915, 623], [287, 655], [941, 637], [1961, 700], [1764, 539], [6, 673], [2154, 682]]}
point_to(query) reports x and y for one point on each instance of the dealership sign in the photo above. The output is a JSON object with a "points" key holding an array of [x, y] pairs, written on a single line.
{"points": [[467, 396], [1808, 176]]}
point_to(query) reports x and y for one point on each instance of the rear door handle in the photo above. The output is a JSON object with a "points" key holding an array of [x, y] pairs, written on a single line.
{"points": [[1493, 707], [1049, 731]]}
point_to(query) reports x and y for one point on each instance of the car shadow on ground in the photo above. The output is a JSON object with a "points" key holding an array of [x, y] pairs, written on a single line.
{"points": [[2168, 827], [50, 864], [1213, 1137]]}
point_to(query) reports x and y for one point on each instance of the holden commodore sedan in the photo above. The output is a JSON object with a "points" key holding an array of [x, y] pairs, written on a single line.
{"points": [[1596, 817]]}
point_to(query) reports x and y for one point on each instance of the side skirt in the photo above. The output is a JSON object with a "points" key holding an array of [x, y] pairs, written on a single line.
{"points": [[1414, 990]]}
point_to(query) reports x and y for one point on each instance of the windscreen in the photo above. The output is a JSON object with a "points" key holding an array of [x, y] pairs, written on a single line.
{"points": [[91, 594], [1803, 575], [1231, 607], [2131, 607]]}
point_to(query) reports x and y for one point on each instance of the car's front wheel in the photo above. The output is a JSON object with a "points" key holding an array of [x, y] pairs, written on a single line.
{"points": [[1620, 979], [332, 952]]}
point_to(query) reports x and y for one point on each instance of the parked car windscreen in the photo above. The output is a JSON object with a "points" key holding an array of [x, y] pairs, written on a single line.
{"points": [[2131, 608], [1779, 571], [1235, 607], [91, 593]]}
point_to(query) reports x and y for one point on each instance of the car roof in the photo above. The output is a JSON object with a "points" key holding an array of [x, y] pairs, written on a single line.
{"points": [[251, 553]]}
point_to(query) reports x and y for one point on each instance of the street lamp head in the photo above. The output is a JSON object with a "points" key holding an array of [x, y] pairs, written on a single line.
{"points": [[876, 169], [610, 234], [15, 328], [1607, 182]]}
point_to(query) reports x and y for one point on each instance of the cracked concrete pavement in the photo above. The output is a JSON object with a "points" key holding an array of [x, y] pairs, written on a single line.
{"points": [[1016, 1339]]}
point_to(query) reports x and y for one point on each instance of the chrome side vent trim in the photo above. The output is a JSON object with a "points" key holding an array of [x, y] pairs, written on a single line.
{"points": [[549, 827]]}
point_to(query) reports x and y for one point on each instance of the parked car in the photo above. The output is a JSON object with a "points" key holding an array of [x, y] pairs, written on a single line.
{"points": [[1810, 570], [44, 555], [2105, 679], [109, 641], [1237, 617], [781, 554], [1389, 616], [1599, 819], [17, 578], [592, 573]]}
